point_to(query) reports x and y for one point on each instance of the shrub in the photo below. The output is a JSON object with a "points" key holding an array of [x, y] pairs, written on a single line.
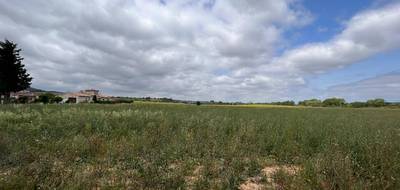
{"points": [[284, 103], [22, 100], [312, 103], [49, 98], [376, 103], [334, 102], [358, 104]]}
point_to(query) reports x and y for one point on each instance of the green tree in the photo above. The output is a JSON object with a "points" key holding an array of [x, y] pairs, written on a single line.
{"points": [[49, 98], [13, 75], [376, 102], [358, 104], [45, 98], [57, 99], [334, 102], [95, 99], [285, 103], [312, 102], [22, 100]]}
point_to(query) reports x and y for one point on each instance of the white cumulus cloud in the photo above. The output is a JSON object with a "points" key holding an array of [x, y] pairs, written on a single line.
{"points": [[186, 49]]}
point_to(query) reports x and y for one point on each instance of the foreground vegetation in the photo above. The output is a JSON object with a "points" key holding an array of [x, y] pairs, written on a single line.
{"points": [[161, 146]]}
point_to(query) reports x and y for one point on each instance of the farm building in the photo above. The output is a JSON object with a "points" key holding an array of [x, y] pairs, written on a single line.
{"points": [[91, 92], [77, 98], [85, 96], [28, 95]]}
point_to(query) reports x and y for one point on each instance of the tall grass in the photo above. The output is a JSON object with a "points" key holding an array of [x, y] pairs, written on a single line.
{"points": [[195, 147]]}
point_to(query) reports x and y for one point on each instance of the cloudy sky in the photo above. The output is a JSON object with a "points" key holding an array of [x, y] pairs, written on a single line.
{"points": [[229, 50]]}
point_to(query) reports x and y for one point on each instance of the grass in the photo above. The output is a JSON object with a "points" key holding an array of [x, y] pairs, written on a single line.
{"points": [[173, 146]]}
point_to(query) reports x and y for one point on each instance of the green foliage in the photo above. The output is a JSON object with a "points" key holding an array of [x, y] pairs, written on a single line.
{"points": [[46, 98], [284, 103], [334, 102], [358, 104], [13, 75], [312, 103], [22, 100], [161, 146], [49, 98], [370, 103], [116, 101], [95, 99], [57, 99], [376, 103]]}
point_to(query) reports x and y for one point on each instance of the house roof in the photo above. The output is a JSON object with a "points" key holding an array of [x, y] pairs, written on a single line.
{"points": [[24, 93], [103, 96], [76, 95]]}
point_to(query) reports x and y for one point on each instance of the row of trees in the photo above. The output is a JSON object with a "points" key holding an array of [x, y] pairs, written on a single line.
{"points": [[49, 98], [340, 102], [284, 103], [46, 98]]}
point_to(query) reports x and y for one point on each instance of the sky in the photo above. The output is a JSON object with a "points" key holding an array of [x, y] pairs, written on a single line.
{"points": [[222, 50]]}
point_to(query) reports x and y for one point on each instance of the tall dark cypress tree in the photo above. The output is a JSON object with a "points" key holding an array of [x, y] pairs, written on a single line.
{"points": [[13, 75]]}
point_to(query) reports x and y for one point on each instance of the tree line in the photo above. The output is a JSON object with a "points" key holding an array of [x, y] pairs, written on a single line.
{"points": [[340, 102], [335, 102]]}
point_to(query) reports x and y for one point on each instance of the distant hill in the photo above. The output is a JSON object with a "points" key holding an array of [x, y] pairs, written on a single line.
{"points": [[42, 91], [35, 90]]}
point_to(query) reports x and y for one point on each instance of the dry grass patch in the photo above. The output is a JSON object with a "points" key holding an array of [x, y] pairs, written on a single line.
{"points": [[195, 177], [269, 175]]}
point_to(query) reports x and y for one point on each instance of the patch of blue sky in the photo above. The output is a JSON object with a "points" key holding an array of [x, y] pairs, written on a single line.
{"points": [[163, 2], [221, 72], [329, 18]]}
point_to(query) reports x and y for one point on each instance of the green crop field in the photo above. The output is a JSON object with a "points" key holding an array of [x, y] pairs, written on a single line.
{"points": [[161, 146]]}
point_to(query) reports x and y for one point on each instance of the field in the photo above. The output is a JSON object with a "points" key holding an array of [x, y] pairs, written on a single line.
{"points": [[168, 146]]}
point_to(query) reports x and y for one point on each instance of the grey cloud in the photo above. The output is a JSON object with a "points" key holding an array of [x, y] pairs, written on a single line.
{"points": [[146, 48], [384, 86]]}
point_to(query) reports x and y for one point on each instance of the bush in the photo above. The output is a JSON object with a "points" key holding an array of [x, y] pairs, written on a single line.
{"points": [[118, 101], [285, 103], [49, 98], [334, 102], [358, 104], [22, 100], [376, 103], [57, 99], [312, 103]]}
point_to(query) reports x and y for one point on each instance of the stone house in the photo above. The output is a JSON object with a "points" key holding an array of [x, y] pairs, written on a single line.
{"points": [[27, 95], [84, 96], [76, 98]]}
